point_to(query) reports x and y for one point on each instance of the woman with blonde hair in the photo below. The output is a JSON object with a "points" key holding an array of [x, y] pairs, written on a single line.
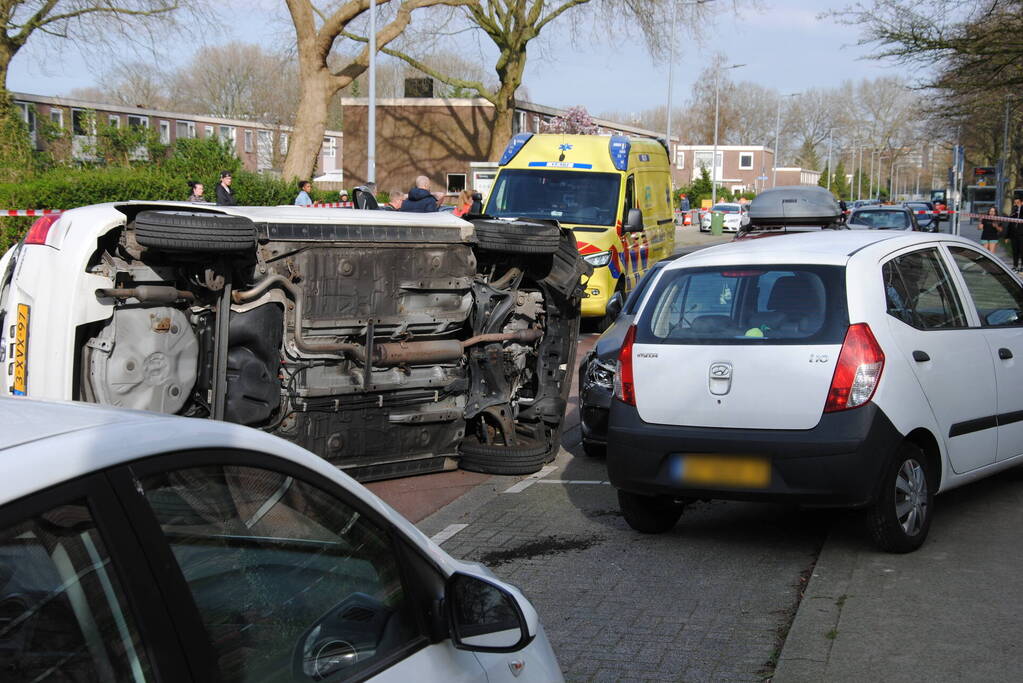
{"points": [[464, 202]]}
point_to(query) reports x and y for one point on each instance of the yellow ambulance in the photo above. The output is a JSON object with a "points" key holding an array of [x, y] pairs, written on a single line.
{"points": [[614, 192]]}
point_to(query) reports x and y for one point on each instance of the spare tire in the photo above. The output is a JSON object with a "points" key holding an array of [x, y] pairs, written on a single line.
{"points": [[517, 237], [194, 232], [526, 458]]}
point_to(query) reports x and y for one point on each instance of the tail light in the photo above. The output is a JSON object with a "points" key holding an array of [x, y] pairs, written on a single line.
{"points": [[40, 229], [859, 370], [625, 390]]}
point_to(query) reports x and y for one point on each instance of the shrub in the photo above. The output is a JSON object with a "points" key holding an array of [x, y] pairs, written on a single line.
{"points": [[201, 160]]}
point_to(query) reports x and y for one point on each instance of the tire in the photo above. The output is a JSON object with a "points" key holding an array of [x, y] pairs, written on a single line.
{"points": [[194, 232], [520, 237], [649, 514], [607, 320], [525, 459], [594, 450], [907, 485]]}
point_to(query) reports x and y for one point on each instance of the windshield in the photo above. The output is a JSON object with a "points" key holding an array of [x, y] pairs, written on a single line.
{"points": [[726, 208], [746, 305], [566, 196], [881, 220]]}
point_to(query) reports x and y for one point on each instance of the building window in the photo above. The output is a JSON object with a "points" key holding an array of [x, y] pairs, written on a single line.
{"points": [[114, 120], [745, 162], [81, 122], [165, 132], [137, 122], [680, 158], [185, 129], [248, 141], [329, 149], [456, 182], [57, 117], [284, 143], [227, 134], [209, 131]]}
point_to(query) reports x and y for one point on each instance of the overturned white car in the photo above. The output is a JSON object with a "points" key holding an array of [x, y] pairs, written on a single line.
{"points": [[389, 343]]}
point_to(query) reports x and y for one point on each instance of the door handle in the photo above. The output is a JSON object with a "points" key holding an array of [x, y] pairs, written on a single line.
{"points": [[1004, 353], [921, 356]]}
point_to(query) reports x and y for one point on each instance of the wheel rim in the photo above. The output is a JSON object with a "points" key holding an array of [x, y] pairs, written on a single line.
{"points": [[911, 497]]}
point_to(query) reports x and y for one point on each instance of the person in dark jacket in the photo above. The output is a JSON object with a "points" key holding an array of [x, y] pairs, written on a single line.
{"points": [[225, 197], [419, 198], [197, 192], [1015, 231]]}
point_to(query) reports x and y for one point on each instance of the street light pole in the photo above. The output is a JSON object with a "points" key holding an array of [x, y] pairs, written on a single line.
{"points": [[371, 129], [830, 131], [671, 69], [777, 135], [714, 158], [859, 176]]}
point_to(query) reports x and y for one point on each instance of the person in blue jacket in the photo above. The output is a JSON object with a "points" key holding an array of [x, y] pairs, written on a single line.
{"points": [[419, 199], [303, 198]]}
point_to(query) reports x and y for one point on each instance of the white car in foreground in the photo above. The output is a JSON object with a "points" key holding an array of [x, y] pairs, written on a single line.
{"points": [[735, 216], [855, 369], [138, 547]]}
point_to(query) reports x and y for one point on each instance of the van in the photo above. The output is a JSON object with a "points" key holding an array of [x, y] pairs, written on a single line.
{"points": [[613, 192]]}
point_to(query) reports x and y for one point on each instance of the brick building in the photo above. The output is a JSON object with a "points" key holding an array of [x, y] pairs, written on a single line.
{"points": [[260, 147], [739, 168]]}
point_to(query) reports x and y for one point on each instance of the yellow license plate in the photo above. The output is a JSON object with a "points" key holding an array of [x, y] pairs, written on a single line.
{"points": [[21, 352], [716, 470]]}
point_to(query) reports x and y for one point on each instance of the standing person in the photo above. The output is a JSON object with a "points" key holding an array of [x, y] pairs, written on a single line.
{"points": [[346, 202], [419, 198], [465, 201], [303, 198], [683, 204], [394, 203], [990, 230], [1015, 231], [197, 190], [225, 197]]}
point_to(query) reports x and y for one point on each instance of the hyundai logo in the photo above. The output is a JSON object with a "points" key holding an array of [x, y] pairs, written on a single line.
{"points": [[720, 378], [721, 371]]}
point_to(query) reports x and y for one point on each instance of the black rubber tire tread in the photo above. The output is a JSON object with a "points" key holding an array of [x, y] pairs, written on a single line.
{"points": [[649, 514], [487, 459], [194, 232], [517, 237], [882, 522]]}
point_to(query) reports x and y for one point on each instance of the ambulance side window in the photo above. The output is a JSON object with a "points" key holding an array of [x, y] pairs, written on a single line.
{"points": [[630, 198]]}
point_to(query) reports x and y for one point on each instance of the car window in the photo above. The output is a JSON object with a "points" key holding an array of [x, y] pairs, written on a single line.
{"points": [[919, 291], [996, 294], [283, 574], [746, 305], [63, 616], [882, 220]]}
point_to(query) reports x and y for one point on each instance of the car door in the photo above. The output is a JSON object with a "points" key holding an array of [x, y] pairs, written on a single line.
{"points": [[279, 574], [949, 357], [998, 299], [75, 603]]}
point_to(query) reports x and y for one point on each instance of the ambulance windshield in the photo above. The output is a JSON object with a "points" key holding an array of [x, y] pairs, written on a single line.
{"points": [[575, 197]]}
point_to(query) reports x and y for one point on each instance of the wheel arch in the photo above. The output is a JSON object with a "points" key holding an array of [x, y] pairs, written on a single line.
{"points": [[925, 440]]}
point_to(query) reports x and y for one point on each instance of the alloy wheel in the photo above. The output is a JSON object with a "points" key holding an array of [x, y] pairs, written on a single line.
{"points": [[911, 497]]}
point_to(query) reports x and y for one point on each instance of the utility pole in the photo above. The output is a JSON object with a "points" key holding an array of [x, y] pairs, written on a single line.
{"points": [[777, 136], [371, 129], [859, 176], [830, 131], [1002, 176], [671, 70], [714, 158]]}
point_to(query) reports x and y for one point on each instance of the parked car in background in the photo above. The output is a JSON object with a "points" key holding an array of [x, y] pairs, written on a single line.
{"points": [[735, 216], [389, 343], [864, 369], [882, 218], [923, 212], [148, 547], [596, 370]]}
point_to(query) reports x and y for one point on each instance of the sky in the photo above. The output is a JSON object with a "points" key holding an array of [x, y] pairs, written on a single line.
{"points": [[783, 44]]}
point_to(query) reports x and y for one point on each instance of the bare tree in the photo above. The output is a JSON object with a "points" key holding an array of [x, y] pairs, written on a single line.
{"points": [[134, 83], [316, 31]]}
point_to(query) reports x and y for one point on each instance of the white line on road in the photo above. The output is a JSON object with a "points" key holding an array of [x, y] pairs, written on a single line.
{"points": [[449, 531], [574, 481], [531, 479]]}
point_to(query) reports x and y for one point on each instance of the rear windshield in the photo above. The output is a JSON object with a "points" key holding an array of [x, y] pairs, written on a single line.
{"points": [[748, 305], [880, 219], [726, 208], [567, 196]]}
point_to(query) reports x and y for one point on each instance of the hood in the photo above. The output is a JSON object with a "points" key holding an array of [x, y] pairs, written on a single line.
{"points": [[417, 193]]}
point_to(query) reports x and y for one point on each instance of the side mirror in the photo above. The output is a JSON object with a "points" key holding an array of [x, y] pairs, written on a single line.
{"points": [[484, 617], [614, 306], [634, 221]]}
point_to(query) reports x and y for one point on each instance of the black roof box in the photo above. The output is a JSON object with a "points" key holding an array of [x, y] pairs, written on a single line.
{"points": [[794, 205]]}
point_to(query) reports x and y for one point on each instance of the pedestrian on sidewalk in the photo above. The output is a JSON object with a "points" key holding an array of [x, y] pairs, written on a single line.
{"points": [[464, 205], [345, 200], [225, 197], [303, 198], [683, 204], [197, 189], [1015, 231], [990, 230], [419, 198]]}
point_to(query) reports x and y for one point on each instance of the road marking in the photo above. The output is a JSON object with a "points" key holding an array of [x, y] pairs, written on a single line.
{"points": [[531, 479], [574, 481], [449, 531]]}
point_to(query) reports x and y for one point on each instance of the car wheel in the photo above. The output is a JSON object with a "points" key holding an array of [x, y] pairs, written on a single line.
{"points": [[526, 458], [607, 320], [594, 449], [649, 514], [901, 516], [194, 232], [521, 237]]}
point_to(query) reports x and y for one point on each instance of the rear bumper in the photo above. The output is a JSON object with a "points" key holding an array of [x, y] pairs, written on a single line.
{"points": [[837, 463]]}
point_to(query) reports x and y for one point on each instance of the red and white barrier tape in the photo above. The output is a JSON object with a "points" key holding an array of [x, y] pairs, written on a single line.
{"points": [[996, 219], [30, 212], [334, 205]]}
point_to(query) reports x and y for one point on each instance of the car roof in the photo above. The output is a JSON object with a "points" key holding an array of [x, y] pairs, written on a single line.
{"points": [[825, 247]]}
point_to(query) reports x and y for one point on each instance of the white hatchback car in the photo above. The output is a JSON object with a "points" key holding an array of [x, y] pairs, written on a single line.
{"points": [[138, 547], [735, 216], [857, 369]]}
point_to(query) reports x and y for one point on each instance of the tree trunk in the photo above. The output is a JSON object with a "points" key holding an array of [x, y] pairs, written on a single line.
{"points": [[510, 67], [310, 122]]}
